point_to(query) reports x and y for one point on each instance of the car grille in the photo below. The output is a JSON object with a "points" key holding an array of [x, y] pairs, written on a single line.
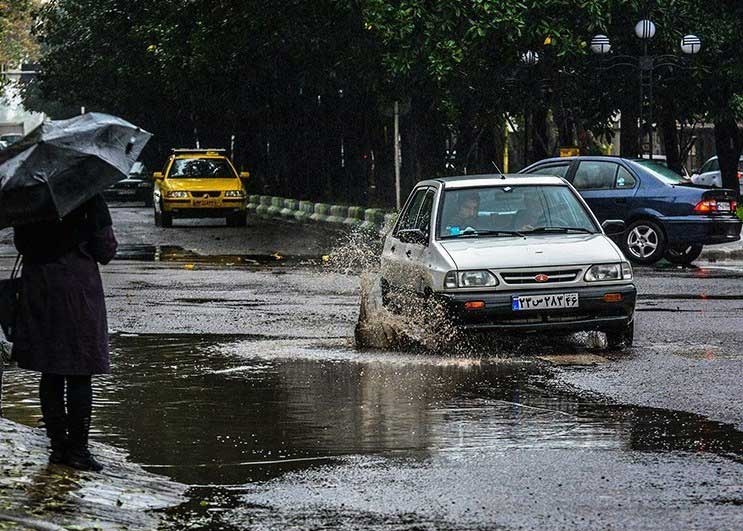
{"points": [[200, 194], [529, 277]]}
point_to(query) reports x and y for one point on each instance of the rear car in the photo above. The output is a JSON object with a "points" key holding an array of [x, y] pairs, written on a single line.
{"points": [[510, 254], [199, 183], [666, 216], [136, 187], [709, 174]]}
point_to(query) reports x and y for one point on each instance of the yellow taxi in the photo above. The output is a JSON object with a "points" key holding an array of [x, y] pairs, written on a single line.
{"points": [[199, 183]]}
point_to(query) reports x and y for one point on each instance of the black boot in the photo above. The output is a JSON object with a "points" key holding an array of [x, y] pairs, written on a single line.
{"points": [[78, 456], [56, 430], [51, 395]]}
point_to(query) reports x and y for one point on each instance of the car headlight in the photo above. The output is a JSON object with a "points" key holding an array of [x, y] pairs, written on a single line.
{"points": [[234, 193], [470, 279], [626, 271], [603, 272], [177, 194]]}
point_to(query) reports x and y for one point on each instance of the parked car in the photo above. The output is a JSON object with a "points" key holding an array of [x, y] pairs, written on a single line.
{"points": [[665, 215], [661, 159], [10, 138], [512, 254], [198, 183], [709, 174], [136, 187]]}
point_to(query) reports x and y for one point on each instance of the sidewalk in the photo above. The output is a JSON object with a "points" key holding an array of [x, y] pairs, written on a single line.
{"points": [[726, 251], [35, 495]]}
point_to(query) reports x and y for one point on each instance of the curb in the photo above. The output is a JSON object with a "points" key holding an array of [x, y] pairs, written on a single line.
{"points": [[719, 255], [273, 207]]}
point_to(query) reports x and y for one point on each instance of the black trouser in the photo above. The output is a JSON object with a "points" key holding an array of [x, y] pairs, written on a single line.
{"points": [[52, 397]]}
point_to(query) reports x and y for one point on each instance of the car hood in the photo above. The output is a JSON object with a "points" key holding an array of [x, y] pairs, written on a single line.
{"points": [[204, 185], [532, 251]]}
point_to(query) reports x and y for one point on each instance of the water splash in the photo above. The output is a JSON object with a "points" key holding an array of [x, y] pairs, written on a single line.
{"points": [[404, 320]]}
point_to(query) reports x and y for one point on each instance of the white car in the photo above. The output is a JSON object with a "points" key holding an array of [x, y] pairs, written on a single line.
{"points": [[709, 174], [511, 254]]}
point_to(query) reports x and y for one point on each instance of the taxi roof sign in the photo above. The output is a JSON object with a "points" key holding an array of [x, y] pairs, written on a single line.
{"points": [[208, 151]]}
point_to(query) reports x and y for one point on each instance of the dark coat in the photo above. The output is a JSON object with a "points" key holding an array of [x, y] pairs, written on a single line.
{"points": [[62, 326]]}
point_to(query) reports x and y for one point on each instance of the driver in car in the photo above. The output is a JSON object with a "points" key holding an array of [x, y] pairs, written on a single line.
{"points": [[467, 214], [530, 216]]}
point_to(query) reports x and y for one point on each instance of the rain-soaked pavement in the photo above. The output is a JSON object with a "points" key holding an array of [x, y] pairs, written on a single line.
{"points": [[234, 371]]}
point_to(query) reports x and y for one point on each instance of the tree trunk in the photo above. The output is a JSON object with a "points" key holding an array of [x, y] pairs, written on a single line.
{"points": [[670, 135], [629, 141], [728, 144]]}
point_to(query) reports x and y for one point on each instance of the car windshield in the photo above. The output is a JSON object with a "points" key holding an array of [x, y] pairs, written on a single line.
{"points": [[201, 169], [661, 171], [512, 210]]}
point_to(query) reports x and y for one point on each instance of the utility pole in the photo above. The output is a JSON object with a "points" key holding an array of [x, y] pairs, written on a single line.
{"points": [[397, 154]]}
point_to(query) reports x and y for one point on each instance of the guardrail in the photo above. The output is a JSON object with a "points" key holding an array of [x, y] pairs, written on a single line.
{"points": [[268, 206]]}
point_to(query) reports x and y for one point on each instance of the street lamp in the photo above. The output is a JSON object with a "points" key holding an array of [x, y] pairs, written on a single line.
{"points": [[646, 65]]}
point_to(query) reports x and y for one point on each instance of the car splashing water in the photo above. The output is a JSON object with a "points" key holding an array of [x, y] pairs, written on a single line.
{"points": [[409, 321], [412, 322]]}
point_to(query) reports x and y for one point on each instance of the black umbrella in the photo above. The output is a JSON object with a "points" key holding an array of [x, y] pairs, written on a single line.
{"points": [[61, 164]]}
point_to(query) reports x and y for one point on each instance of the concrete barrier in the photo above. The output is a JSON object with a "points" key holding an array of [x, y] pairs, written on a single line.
{"points": [[321, 212], [263, 205], [267, 206]]}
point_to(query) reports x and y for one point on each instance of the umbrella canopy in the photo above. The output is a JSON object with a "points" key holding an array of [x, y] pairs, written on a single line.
{"points": [[61, 164]]}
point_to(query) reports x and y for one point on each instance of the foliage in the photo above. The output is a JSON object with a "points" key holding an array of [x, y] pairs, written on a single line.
{"points": [[306, 88], [16, 42]]}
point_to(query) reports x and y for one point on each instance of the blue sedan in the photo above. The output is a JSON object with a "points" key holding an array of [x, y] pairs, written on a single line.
{"points": [[665, 215]]}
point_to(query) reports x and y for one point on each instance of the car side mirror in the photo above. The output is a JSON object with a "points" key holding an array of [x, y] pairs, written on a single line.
{"points": [[244, 174], [157, 175], [613, 226], [415, 236]]}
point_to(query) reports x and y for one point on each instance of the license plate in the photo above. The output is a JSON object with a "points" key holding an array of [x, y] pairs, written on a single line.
{"points": [[544, 302], [205, 202], [126, 192], [723, 206]]}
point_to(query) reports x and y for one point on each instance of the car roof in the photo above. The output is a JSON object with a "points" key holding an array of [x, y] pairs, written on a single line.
{"points": [[471, 181]]}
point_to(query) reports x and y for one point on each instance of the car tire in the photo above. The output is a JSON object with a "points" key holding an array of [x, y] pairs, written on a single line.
{"points": [[684, 254], [644, 242], [622, 338], [158, 218]]}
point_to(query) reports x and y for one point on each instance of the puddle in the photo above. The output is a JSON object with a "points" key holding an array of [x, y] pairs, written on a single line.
{"points": [[172, 253], [221, 412]]}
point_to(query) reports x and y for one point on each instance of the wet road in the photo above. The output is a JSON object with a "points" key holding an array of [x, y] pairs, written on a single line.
{"points": [[238, 375]]}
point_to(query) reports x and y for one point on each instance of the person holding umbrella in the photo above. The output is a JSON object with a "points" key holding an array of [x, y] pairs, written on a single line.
{"points": [[50, 193]]}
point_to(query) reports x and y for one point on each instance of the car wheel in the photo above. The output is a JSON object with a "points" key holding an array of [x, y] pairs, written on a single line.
{"points": [[622, 338], [684, 254], [644, 242]]}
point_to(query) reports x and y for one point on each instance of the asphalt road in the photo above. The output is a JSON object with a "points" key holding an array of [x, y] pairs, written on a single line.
{"points": [[234, 348]]}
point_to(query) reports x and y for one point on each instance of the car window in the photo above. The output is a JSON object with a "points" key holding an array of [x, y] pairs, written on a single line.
{"points": [[201, 169], [595, 175], [624, 179], [495, 210], [557, 170], [410, 214], [714, 165], [424, 216]]}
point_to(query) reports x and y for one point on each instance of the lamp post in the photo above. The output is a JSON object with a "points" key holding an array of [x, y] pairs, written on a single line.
{"points": [[646, 64], [530, 59]]}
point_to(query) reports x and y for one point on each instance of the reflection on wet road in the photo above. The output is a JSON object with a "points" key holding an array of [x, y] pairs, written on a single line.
{"points": [[289, 425], [235, 410]]}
